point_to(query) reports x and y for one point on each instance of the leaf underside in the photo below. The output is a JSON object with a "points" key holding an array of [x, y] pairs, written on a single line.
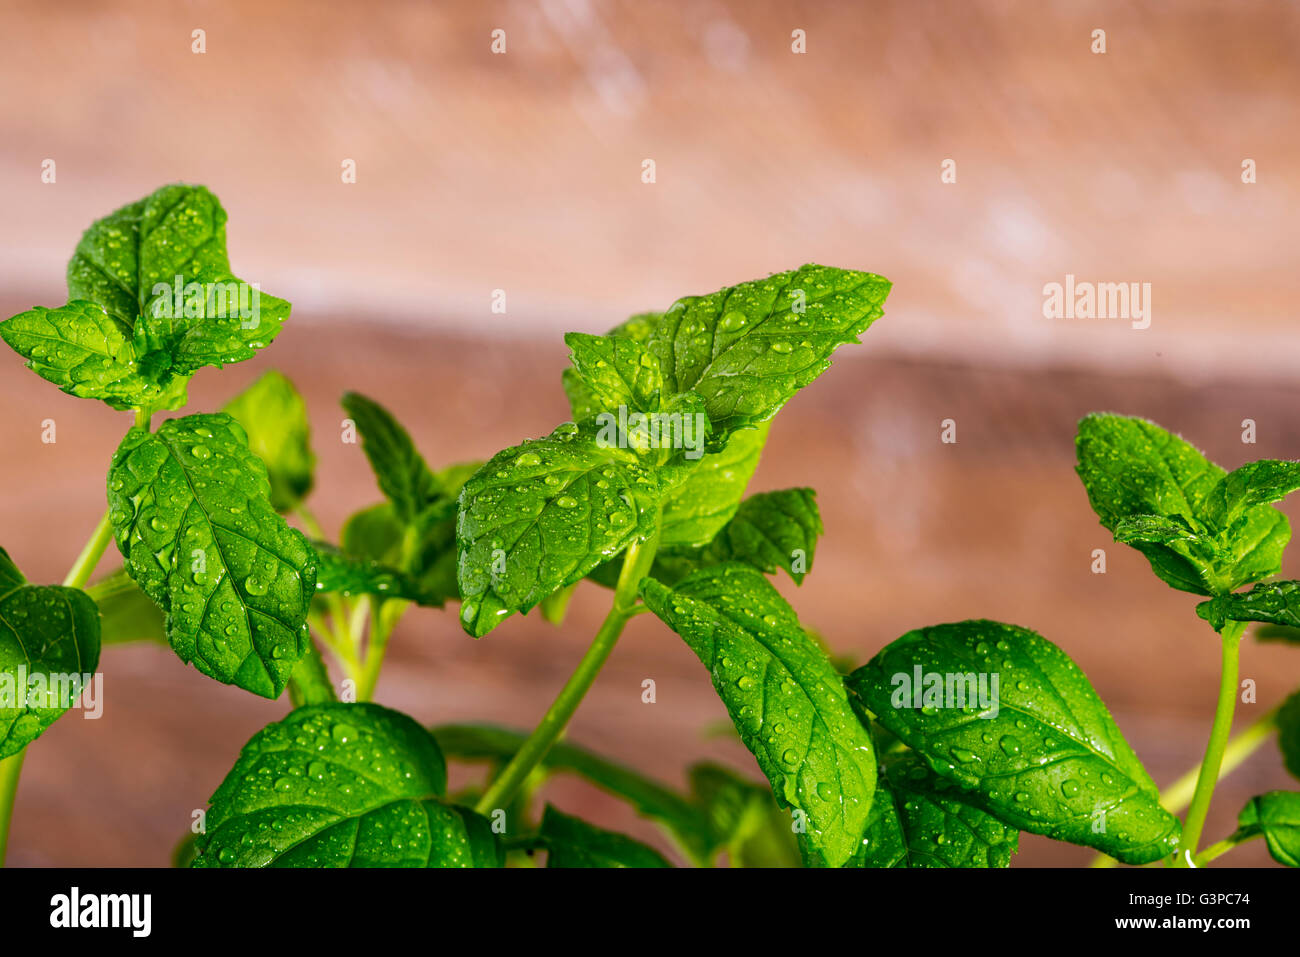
{"points": [[274, 416]]}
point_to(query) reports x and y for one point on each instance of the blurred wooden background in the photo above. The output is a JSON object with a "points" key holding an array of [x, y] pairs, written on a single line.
{"points": [[522, 172]]}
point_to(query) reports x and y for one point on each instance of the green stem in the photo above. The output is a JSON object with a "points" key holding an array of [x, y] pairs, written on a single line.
{"points": [[1214, 749], [91, 553], [340, 647], [384, 615], [1178, 795], [383, 618], [636, 563], [1222, 847], [10, 768]]}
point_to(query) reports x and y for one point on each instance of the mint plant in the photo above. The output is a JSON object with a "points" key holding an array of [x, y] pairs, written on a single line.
{"points": [[1210, 532], [938, 752]]}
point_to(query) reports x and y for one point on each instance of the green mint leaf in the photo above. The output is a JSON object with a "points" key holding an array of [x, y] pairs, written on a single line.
{"points": [[541, 515], [555, 605], [1276, 816], [571, 842], [311, 681], [744, 818], [48, 633], [1131, 467], [1277, 602], [1251, 548], [404, 477], [84, 351], [783, 695], [437, 568], [339, 572], [376, 534], [639, 327], [700, 506], [151, 300], [191, 512], [342, 785], [920, 819], [1154, 529], [1255, 483], [274, 415], [184, 851], [1137, 473], [681, 819], [617, 371], [160, 265], [583, 401], [584, 404], [1280, 633], [697, 508], [1288, 734], [678, 429], [749, 348], [1040, 751], [770, 530], [126, 613], [451, 480]]}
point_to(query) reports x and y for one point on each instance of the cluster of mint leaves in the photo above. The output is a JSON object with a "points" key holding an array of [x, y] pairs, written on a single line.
{"points": [[198, 508], [1210, 532]]}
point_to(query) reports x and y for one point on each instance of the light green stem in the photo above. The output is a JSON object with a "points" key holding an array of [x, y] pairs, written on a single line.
{"points": [[384, 615], [84, 566], [383, 618], [1178, 795], [339, 644], [1218, 743], [1222, 847], [333, 602], [636, 563], [10, 768]]}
